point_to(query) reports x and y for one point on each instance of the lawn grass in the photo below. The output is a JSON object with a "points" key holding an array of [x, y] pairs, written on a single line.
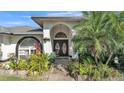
{"points": [[4, 77]]}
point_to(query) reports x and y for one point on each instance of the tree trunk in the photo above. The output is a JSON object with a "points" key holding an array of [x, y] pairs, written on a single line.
{"points": [[109, 58]]}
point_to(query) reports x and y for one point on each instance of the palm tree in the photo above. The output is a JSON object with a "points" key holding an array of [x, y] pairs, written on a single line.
{"points": [[99, 33]]}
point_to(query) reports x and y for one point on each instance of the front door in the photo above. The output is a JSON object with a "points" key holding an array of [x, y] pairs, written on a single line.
{"points": [[61, 47]]}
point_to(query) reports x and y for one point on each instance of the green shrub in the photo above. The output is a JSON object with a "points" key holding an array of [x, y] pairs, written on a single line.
{"points": [[73, 68], [13, 64], [82, 70], [38, 63], [52, 57], [99, 72], [86, 66], [103, 71], [22, 64], [96, 75], [77, 68]]}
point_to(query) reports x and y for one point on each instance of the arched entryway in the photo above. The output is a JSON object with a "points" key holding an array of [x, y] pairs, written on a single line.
{"points": [[26, 46], [60, 39]]}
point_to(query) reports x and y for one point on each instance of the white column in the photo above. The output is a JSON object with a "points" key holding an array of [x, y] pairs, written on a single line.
{"points": [[71, 49], [29, 51], [47, 45]]}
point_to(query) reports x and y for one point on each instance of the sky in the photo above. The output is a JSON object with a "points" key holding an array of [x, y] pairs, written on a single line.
{"points": [[23, 18]]}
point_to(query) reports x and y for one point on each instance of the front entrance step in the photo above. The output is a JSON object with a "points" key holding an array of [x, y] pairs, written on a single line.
{"points": [[62, 60]]}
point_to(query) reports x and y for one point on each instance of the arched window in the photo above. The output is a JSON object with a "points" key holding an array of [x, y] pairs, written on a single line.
{"points": [[28, 42], [28, 46], [60, 35]]}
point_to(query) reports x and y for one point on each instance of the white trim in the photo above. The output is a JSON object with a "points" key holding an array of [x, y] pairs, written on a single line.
{"points": [[63, 23]]}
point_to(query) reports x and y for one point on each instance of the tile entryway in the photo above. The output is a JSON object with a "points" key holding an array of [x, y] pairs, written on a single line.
{"points": [[62, 60]]}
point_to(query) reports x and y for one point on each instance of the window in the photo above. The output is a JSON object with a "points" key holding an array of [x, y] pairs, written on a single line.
{"points": [[27, 47], [60, 31], [60, 35]]}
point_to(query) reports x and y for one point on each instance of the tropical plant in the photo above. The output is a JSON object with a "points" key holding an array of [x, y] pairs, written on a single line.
{"points": [[73, 68], [52, 57], [103, 71], [100, 33], [22, 65], [76, 68], [100, 72], [13, 64], [35, 63], [38, 63]]}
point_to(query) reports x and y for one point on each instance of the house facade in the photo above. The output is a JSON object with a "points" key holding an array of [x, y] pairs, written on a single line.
{"points": [[55, 35]]}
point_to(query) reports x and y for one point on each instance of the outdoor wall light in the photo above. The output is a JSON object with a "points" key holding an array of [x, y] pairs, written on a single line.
{"points": [[46, 39], [116, 60]]}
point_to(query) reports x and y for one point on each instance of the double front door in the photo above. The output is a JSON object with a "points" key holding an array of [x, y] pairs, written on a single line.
{"points": [[61, 47]]}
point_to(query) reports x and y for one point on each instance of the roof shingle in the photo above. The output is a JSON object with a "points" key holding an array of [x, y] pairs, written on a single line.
{"points": [[20, 30]]}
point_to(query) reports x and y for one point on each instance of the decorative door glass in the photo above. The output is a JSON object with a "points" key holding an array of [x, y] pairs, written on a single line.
{"points": [[64, 48], [57, 48]]}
